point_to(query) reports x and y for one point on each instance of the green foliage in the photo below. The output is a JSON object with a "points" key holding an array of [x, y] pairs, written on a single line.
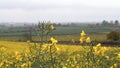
{"points": [[45, 28], [114, 36]]}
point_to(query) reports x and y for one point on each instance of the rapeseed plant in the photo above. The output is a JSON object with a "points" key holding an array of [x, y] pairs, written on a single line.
{"points": [[82, 37]]}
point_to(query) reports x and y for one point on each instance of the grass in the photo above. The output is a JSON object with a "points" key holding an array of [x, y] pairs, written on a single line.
{"points": [[7, 31], [97, 37]]}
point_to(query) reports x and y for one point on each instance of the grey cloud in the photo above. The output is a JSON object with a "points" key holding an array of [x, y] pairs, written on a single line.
{"points": [[34, 10]]}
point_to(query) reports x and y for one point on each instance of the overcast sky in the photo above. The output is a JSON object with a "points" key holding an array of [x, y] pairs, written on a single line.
{"points": [[59, 10]]}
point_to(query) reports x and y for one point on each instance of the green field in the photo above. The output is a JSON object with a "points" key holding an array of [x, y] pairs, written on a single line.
{"points": [[76, 37], [60, 33], [17, 31]]}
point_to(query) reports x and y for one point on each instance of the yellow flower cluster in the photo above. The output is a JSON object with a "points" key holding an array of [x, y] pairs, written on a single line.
{"points": [[18, 56], [2, 49], [118, 55], [88, 40], [98, 45], [114, 66], [83, 33], [83, 38], [99, 50], [52, 27], [54, 41], [26, 65]]}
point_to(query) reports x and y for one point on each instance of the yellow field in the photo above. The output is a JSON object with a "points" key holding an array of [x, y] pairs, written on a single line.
{"points": [[88, 54], [20, 46], [14, 46], [18, 54]]}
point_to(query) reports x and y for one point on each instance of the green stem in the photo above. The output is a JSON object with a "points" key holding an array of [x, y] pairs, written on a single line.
{"points": [[51, 55]]}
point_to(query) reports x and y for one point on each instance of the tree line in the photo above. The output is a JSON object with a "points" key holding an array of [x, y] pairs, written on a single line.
{"points": [[108, 23]]}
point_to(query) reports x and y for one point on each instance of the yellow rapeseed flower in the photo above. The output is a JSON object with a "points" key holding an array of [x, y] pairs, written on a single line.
{"points": [[23, 65], [98, 45], [115, 65], [54, 41], [52, 27], [1, 64], [81, 40], [118, 55], [57, 48], [103, 50], [88, 40], [3, 49], [18, 56], [111, 67], [83, 33], [107, 57], [97, 53]]}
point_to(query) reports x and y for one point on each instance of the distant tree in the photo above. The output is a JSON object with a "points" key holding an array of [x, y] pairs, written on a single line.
{"points": [[73, 24], [111, 23], [97, 24], [113, 36], [116, 22], [59, 24], [104, 23]]}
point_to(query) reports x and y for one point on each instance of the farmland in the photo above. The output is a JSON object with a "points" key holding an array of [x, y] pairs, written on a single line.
{"points": [[64, 56], [59, 34], [68, 32], [17, 51]]}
